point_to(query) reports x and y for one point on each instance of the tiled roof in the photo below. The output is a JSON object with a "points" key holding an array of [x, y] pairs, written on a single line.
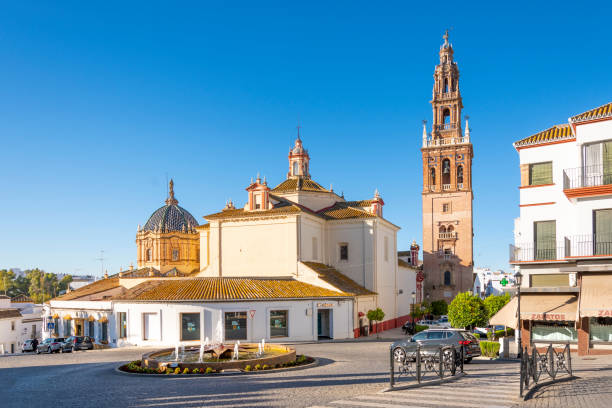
{"points": [[171, 218], [301, 184], [603, 111], [221, 289], [95, 287], [241, 213], [342, 211], [8, 313], [555, 133], [22, 299], [337, 279], [360, 203], [402, 263], [152, 272], [4, 297]]}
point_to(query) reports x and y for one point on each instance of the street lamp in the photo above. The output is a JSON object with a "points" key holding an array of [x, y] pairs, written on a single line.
{"points": [[519, 278], [413, 294]]}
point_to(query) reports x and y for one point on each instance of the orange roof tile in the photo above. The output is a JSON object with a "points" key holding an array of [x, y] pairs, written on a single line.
{"points": [[300, 184], [603, 111], [221, 289], [342, 211], [95, 287], [337, 279], [555, 133]]}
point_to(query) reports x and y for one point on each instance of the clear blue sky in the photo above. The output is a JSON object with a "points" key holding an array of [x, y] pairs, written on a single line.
{"points": [[99, 101]]}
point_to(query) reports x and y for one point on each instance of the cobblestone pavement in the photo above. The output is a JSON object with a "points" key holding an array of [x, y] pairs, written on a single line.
{"points": [[347, 370], [592, 388]]}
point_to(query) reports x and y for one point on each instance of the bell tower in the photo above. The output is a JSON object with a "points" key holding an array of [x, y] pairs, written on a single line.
{"points": [[447, 187]]}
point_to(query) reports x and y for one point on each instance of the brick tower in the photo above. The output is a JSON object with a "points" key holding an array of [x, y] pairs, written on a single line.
{"points": [[447, 188]]}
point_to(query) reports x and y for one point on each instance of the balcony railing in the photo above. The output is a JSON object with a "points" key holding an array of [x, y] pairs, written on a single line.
{"points": [[446, 126], [448, 95], [447, 235], [446, 187], [530, 252], [586, 176], [445, 255], [591, 245], [446, 141]]}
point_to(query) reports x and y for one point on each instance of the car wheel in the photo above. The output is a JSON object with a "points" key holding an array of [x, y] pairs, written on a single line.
{"points": [[468, 360], [399, 355]]}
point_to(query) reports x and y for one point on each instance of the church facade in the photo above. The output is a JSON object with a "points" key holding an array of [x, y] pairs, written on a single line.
{"points": [[295, 262], [447, 187]]}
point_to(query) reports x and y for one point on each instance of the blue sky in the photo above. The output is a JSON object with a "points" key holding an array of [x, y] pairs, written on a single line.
{"points": [[101, 101]]}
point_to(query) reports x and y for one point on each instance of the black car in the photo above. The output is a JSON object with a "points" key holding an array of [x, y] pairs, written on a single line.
{"points": [[79, 343], [50, 345], [431, 340]]}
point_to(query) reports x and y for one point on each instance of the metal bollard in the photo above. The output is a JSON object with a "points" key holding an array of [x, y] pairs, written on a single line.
{"points": [[569, 359], [418, 363], [441, 363], [462, 356], [392, 367]]}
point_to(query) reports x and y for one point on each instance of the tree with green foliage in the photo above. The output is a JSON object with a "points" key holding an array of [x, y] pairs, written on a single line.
{"points": [[43, 286], [6, 281], [467, 311], [376, 315], [493, 303], [64, 283], [439, 307]]}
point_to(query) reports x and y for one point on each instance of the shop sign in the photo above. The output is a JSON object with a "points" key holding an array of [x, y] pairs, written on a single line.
{"points": [[547, 316], [251, 314], [325, 305], [604, 313]]}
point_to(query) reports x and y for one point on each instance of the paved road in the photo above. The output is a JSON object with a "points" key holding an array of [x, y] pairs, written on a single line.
{"points": [[350, 372]]}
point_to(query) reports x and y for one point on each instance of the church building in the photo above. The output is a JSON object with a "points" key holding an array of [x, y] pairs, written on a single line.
{"points": [[295, 262], [447, 188]]}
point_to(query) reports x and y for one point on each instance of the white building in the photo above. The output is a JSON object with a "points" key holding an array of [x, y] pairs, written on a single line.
{"points": [[296, 262], [80, 281], [563, 237], [487, 282], [10, 326]]}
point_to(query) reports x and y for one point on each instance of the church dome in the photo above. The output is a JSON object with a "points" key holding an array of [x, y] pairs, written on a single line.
{"points": [[171, 217]]}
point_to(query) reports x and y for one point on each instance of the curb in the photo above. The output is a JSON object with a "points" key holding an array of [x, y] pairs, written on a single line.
{"points": [[424, 384], [315, 363]]}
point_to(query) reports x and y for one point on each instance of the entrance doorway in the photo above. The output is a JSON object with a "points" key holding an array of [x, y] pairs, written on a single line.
{"points": [[78, 327], [324, 323]]}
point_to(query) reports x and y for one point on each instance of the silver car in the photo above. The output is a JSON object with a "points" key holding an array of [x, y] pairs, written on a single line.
{"points": [[432, 339]]}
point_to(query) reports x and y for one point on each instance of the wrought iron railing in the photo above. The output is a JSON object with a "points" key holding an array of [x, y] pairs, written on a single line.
{"points": [[446, 187], [546, 251], [420, 362], [446, 141], [589, 245], [587, 176], [551, 364], [447, 235]]}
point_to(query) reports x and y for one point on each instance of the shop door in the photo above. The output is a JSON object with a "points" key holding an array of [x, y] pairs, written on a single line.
{"points": [[324, 323]]}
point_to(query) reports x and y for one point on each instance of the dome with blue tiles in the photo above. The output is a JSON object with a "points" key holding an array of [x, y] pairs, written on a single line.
{"points": [[171, 217]]}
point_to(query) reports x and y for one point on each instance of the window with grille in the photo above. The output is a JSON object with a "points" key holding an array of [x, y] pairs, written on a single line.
{"points": [[344, 252], [545, 237], [602, 229], [540, 173]]}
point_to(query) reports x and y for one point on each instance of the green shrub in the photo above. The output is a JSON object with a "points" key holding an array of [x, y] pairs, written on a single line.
{"points": [[247, 368], [169, 370], [186, 371], [477, 335], [489, 348], [300, 359], [265, 367], [419, 328], [503, 333], [209, 370], [258, 367], [177, 370], [195, 371]]}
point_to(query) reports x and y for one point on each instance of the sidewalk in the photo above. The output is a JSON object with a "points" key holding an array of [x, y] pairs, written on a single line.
{"points": [[592, 388]]}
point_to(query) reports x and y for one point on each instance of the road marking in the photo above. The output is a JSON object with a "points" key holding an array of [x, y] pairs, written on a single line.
{"points": [[460, 394], [431, 401], [374, 404]]}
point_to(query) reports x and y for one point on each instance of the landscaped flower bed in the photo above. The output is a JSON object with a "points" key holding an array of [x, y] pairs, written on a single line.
{"points": [[136, 367]]}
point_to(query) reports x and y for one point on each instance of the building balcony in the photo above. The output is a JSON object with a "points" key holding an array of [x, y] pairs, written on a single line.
{"points": [[587, 181], [589, 246], [447, 141], [446, 187], [447, 95], [445, 255], [446, 126], [447, 235], [543, 253]]}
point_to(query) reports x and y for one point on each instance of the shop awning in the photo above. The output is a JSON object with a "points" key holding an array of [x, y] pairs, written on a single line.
{"points": [[596, 296], [548, 307]]}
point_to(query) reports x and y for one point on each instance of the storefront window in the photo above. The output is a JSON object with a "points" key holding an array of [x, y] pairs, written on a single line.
{"points": [[104, 335], [190, 326], [91, 332], [235, 326], [122, 325], [278, 323], [56, 327], [600, 329], [561, 331], [67, 324]]}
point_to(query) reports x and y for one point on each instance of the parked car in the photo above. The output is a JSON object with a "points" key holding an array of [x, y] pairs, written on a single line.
{"points": [[50, 345], [442, 322], [65, 347], [431, 340], [80, 343], [426, 322], [29, 345]]}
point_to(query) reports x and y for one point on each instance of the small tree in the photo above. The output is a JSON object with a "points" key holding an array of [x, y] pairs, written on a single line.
{"points": [[376, 315], [494, 303], [439, 307], [467, 310]]}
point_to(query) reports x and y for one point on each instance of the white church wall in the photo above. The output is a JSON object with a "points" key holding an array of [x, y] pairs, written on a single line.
{"points": [[386, 268], [406, 283], [312, 238], [358, 234]]}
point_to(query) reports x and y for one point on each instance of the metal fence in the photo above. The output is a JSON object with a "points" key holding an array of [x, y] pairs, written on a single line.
{"points": [[551, 364], [421, 363]]}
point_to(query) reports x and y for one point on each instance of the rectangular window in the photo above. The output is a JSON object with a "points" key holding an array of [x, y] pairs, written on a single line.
{"points": [[445, 207], [549, 280], [278, 323], [67, 326], [315, 249], [600, 329], [257, 198], [344, 252], [122, 325], [561, 331], [386, 239], [92, 329], [540, 173], [235, 325], [545, 240], [190, 326], [597, 159], [12, 325], [104, 328], [602, 229], [56, 327], [175, 254]]}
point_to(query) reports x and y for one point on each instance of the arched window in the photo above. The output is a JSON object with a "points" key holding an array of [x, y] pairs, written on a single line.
{"points": [[295, 168], [442, 229], [446, 116], [450, 228], [460, 174], [445, 85], [447, 278], [446, 173], [432, 177], [454, 85], [149, 255], [175, 254]]}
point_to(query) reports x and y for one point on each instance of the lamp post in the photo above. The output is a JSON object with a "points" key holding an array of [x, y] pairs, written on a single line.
{"points": [[413, 294], [519, 278]]}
